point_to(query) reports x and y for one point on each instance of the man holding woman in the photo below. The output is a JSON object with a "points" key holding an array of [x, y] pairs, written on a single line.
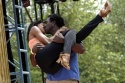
{"points": [[46, 57]]}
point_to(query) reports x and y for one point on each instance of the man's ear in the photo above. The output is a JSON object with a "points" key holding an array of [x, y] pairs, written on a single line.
{"points": [[54, 22]]}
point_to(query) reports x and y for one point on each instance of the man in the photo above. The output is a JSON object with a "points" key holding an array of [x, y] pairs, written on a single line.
{"points": [[72, 75]]}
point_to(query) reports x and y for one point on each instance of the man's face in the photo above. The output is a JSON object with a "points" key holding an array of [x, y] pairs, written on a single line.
{"points": [[49, 26]]}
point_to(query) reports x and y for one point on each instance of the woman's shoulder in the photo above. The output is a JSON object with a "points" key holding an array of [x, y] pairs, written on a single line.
{"points": [[38, 30], [34, 27], [35, 30]]}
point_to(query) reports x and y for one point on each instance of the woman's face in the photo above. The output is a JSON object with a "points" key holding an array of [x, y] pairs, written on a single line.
{"points": [[41, 27]]}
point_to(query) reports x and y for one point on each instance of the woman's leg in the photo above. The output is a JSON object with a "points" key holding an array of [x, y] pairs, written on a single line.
{"points": [[69, 41], [87, 29], [46, 57]]}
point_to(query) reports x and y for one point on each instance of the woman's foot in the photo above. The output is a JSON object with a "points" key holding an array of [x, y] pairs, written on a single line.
{"points": [[106, 10], [108, 6], [64, 60]]}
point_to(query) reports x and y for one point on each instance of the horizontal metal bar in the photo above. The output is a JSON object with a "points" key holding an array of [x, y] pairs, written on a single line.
{"points": [[18, 73], [26, 72], [10, 29], [14, 73], [13, 29], [17, 6], [20, 28], [23, 50]]}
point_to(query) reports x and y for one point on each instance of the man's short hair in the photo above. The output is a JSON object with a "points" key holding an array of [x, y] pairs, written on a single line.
{"points": [[58, 19]]}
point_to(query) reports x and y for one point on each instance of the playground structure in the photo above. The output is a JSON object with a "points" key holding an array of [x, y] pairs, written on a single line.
{"points": [[12, 25], [13, 45], [16, 39]]}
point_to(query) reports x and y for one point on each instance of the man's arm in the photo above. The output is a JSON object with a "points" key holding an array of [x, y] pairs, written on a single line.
{"points": [[78, 48], [58, 38]]}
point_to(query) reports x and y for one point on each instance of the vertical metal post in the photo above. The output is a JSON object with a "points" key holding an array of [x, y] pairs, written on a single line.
{"points": [[25, 45], [35, 10], [20, 27], [18, 45]]}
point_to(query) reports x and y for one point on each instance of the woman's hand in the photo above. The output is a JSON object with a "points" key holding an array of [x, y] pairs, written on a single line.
{"points": [[78, 48], [58, 38]]}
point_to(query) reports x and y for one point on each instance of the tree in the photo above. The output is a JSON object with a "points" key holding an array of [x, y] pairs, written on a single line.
{"points": [[118, 13]]}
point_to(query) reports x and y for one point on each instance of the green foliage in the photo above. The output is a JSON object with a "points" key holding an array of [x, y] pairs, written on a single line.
{"points": [[36, 76], [76, 13], [118, 13], [103, 61]]}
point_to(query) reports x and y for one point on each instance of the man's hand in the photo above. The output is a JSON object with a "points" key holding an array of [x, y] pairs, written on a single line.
{"points": [[37, 47], [58, 38], [78, 48]]}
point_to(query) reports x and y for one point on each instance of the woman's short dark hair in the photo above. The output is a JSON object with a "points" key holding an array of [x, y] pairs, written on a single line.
{"points": [[58, 19]]}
